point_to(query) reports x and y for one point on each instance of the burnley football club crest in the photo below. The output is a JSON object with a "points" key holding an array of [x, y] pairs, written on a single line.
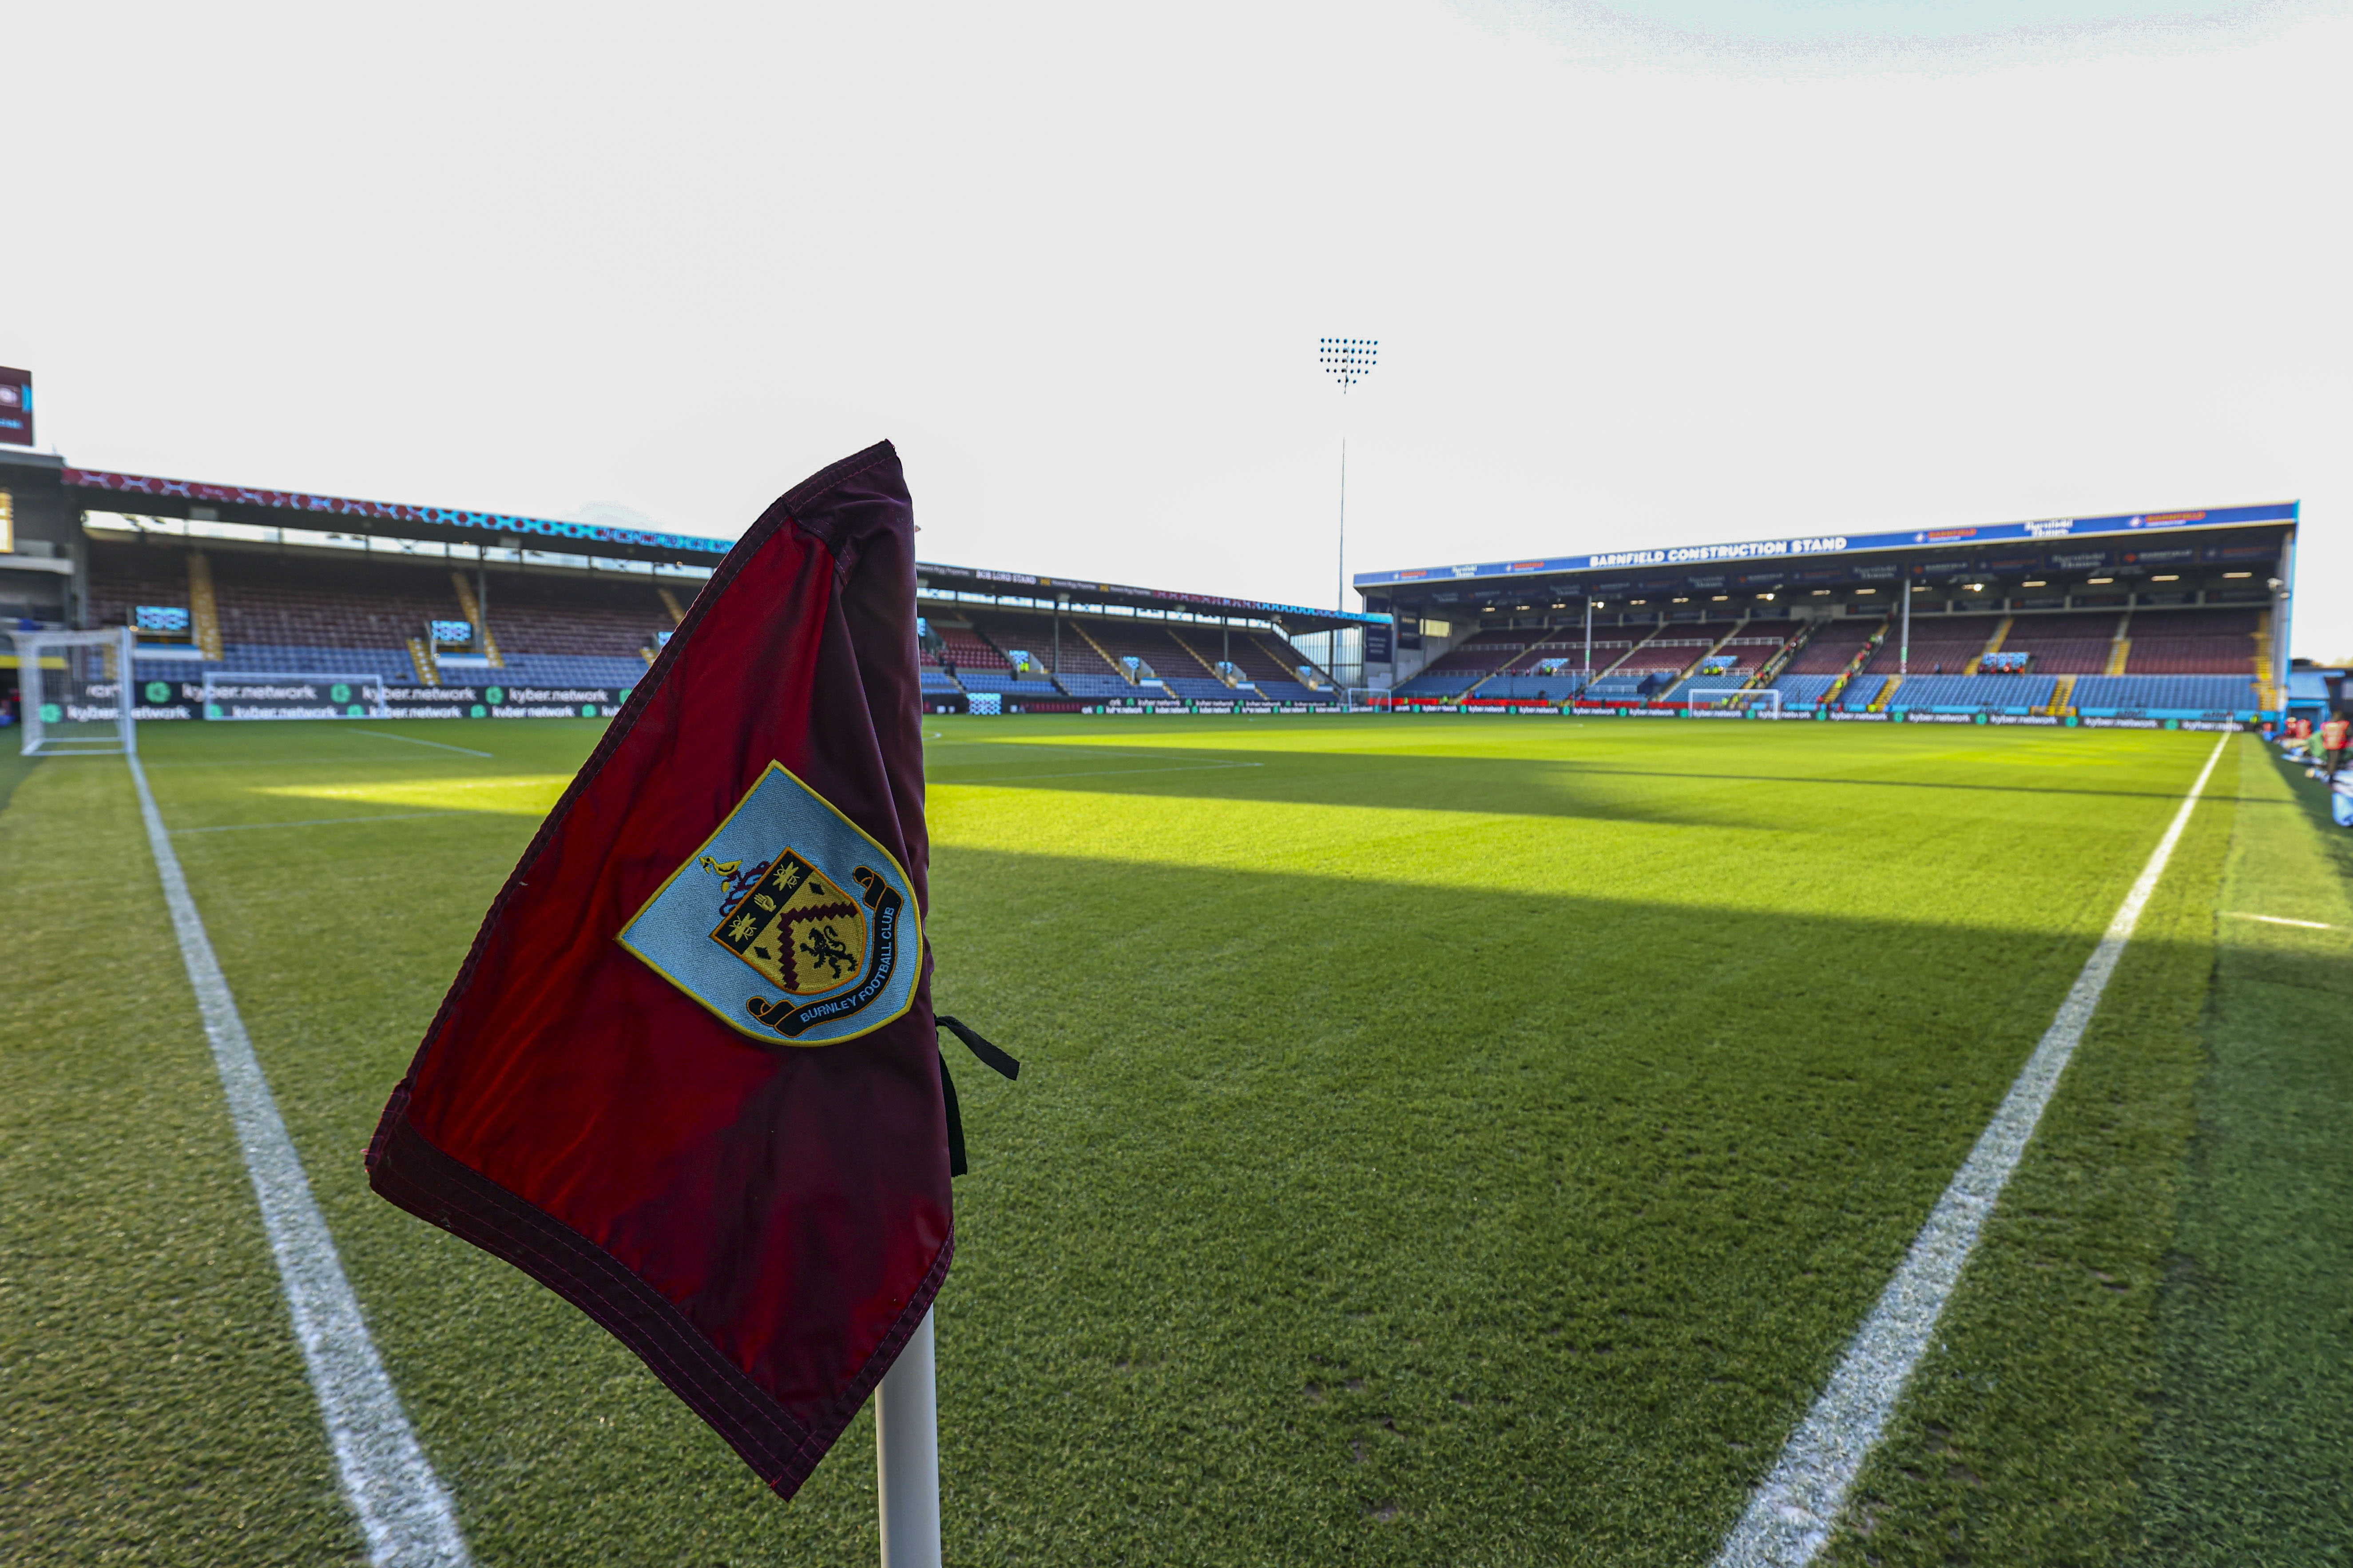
{"points": [[790, 924]]}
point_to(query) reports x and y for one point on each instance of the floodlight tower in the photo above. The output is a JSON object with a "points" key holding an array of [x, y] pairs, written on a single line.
{"points": [[1349, 360]]}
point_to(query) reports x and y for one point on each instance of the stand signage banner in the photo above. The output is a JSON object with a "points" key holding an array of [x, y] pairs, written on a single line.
{"points": [[353, 697]]}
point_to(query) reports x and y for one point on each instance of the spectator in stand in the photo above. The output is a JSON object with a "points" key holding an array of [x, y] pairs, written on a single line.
{"points": [[2334, 739]]}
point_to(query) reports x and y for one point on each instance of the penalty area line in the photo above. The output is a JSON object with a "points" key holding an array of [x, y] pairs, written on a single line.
{"points": [[404, 1511], [437, 745], [1789, 1519]]}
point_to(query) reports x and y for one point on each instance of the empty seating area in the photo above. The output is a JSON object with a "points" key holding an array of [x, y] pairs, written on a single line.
{"points": [[1803, 691], [1862, 692], [1832, 647], [1056, 651], [2190, 642], [1065, 660], [2072, 642], [1273, 667], [1970, 693], [1748, 650], [311, 615], [2102, 694], [1460, 668], [966, 649], [1941, 645]]}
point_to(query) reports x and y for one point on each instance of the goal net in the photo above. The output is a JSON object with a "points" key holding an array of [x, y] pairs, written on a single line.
{"points": [[69, 690], [1733, 700], [235, 694], [1367, 698]]}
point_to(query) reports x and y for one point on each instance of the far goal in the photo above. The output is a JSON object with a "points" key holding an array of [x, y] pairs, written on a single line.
{"points": [[70, 687], [1367, 698], [1731, 702]]}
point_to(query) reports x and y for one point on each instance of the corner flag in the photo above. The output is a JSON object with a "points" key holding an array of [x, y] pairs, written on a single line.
{"points": [[688, 1078]]}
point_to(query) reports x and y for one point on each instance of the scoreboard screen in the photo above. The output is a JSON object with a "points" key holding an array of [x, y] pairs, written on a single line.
{"points": [[15, 407]]}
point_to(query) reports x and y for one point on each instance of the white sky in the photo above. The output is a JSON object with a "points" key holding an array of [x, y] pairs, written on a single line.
{"points": [[1677, 271]]}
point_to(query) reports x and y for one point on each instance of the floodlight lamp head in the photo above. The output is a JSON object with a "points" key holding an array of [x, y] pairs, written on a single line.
{"points": [[1349, 360]]}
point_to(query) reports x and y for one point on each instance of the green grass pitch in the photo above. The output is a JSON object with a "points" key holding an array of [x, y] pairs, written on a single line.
{"points": [[1456, 1139]]}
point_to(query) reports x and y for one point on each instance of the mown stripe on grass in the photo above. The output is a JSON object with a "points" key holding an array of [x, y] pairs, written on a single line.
{"points": [[1788, 1520], [402, 1510]]}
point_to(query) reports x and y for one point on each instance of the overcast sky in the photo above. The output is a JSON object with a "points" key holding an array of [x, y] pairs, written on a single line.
{"points": [[1671, 271]]}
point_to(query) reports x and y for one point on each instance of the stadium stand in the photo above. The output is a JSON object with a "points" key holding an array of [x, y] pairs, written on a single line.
{"points": [[306, 615], [2101, 695], [2068, 643], [1862, 692], [1941, 645], [1973, 694], [1832, 647], [1157, 654], [967, 649], [2191, 642], [1460, 667], [1262, 664], [1804, 690], [1748, 647]]}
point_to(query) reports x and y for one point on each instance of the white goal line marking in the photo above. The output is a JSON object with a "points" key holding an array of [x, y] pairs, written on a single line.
{"points": [[1789, 1518], [404, 1511], [437, 745]]}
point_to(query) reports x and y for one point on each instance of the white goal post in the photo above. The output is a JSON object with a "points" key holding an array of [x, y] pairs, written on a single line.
{"points": [[269, 694], [69, 689], [1734, 699], [1369, 698]]}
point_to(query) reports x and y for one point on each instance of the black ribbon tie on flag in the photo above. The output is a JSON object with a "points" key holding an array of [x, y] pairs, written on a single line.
{"points": [[991, 1056]]}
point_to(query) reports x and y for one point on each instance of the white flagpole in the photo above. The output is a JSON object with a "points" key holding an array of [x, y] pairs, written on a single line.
{"points": [[907, 1456]]}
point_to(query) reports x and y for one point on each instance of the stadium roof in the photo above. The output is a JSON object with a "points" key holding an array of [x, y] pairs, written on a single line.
{"points": [[932, 577], [1562, 569], [148, 495], [240, 503]]}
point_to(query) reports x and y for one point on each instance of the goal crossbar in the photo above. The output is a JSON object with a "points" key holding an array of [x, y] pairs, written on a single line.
{"points": [[1733, 699]]}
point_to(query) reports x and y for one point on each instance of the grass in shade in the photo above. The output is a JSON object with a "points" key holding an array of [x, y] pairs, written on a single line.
{"points": [[1466, 1140], [2252, 1456]]}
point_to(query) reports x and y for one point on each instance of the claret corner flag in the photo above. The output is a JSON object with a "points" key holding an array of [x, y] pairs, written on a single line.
{"points": [[688, 1078]]}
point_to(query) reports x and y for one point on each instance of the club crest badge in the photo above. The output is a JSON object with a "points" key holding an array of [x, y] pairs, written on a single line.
{"points": [[789, 924]]}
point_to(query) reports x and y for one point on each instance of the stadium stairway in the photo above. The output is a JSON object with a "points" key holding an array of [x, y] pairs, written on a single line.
{"points": [[1993, 645], [473, 611], [203, 606]]}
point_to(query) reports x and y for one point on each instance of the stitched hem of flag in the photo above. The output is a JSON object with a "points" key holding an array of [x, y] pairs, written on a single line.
{"points": [[410, 1173]]}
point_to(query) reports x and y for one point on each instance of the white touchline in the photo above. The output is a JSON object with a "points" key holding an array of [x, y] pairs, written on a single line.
{"points": [[1789, 1518], [437, 745], [2277, 920], [402, 1510]]}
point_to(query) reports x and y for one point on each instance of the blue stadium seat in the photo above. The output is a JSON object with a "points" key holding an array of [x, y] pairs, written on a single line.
{"points": [[1200, 689], [1098, 688], [1972, 693], [1802, 690], [2101, 694], [1860, 692]]}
